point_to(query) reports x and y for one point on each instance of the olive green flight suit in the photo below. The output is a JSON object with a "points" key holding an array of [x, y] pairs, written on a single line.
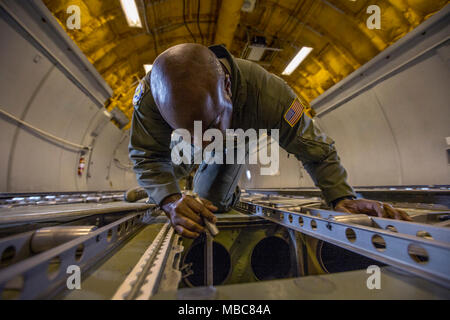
{"points": [[260, 101]]}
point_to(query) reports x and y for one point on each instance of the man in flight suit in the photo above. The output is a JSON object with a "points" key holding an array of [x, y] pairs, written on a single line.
{"points": [[190, 82]]}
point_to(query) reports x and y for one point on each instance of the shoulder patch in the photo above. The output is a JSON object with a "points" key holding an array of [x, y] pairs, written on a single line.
{"points": [[294, 113], [140, 90]]}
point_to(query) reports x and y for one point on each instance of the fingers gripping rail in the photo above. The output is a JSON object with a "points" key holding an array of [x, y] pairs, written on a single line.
{"points": [[393, 242]]}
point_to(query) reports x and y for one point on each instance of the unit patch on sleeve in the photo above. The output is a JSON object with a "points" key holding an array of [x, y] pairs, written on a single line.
{"points": [[294, 113], [140, 90]]}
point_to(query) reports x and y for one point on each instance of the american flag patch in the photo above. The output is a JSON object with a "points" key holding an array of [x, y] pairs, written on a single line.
{"points": [[294, 113]]}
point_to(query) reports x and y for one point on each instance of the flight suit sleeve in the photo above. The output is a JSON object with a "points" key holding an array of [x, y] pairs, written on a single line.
{"points": [[149, 149], [300, 136]]}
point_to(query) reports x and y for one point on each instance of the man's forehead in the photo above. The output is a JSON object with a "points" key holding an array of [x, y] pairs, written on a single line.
{"points": [[205, 121], [193, 105]]}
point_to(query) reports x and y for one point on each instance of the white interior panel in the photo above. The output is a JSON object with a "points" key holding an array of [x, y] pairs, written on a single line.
{"points": [[364, 141], [417, 104]]}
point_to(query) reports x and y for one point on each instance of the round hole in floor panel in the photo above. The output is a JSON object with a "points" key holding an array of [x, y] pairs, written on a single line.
{"points": [[53, 267], [424, 234], [7, 256], [378, 242], [79, 252], [336, 259], [418, 253], [391, 228], [110, 235], [13, 288], [350, 234], [271, 259], [221, 264]]}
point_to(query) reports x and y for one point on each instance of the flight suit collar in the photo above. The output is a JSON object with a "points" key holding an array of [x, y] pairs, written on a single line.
{"points": [[238, 84]]}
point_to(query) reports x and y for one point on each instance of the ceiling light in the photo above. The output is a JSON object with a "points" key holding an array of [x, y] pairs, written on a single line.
{"points": [[256, 53], [248, 5], [147, 68], [131, 13], [300, 56]]}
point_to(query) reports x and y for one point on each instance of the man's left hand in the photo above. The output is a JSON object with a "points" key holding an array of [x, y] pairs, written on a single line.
{"points": [[371, 208]]}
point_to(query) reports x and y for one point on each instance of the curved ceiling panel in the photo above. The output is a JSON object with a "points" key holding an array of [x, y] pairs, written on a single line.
{"points": [[335, 29]]}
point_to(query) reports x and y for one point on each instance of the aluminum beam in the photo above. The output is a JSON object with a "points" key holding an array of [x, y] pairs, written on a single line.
{"points": [[429, 259]]}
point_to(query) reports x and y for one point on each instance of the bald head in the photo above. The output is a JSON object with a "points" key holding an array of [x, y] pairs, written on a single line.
{"points": [[189, 84]]}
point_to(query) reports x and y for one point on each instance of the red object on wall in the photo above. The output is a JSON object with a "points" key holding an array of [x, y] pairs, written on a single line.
{"points": [[81, 165]]}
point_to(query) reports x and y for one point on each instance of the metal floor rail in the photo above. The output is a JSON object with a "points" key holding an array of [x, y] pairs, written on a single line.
{"points": [[150, 272], [417, 248], [43, 275], [420, 249]]}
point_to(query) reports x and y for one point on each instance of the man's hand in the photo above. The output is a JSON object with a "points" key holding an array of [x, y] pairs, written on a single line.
{"points": [[185, 214], [371, 208]]}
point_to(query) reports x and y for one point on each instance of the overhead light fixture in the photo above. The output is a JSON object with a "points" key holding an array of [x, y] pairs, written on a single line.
{"points": [[249, 175], [299, 57], [256, 53], [248, 5], [148, 68], [131, 13], [255, 48]]}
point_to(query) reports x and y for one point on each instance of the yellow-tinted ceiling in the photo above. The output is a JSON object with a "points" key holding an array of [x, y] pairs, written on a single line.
{"points": [[336, 29]]}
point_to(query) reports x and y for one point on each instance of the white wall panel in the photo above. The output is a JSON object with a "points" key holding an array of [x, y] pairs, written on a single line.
{"points": [[394, 133], [364, 141], [417, 105], [17, 86], [45, 96], [390, 118], [36, 161], [76, 130], [99, 168]]}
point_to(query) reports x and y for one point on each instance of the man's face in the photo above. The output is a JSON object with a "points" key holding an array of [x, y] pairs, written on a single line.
{"points": [[222, 116], [184, 97]]}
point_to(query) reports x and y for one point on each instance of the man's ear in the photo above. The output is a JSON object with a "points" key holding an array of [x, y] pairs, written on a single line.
{"points": [[228, 85]]}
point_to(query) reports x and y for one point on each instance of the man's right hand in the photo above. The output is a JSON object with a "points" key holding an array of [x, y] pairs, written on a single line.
{"points": [[185, 214]]}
